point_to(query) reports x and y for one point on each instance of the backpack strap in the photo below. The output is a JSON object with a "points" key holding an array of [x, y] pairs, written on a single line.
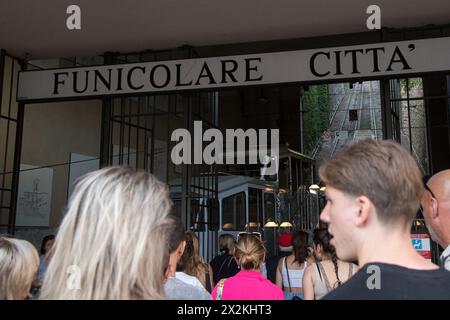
{"points": [[220, 289]]}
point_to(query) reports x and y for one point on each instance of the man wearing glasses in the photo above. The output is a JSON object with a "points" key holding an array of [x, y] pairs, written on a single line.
{"points": [[436, 212]]}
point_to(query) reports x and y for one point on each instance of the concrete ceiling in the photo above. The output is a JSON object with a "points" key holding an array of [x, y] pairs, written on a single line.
{"points": [[39, 27]]}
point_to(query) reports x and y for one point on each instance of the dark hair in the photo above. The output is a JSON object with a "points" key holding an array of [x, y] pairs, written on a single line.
{"points": [[323, 237], [188, 254], [176, 231], [190, 262], [174, 228], [300, 246], [45, 240]]}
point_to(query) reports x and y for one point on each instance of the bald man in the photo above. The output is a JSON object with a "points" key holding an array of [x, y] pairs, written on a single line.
{"points": [[436, 211]]}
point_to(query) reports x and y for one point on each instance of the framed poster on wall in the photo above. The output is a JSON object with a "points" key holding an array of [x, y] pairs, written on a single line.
{"points": [[34, 198]]}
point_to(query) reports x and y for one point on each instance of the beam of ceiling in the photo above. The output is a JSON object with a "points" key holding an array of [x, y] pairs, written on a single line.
{"points": [[39, 27]]}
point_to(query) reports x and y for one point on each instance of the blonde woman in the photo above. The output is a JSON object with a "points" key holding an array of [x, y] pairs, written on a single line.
{"points": [[248, 284], [194, 264], [19, 262], [112, 243]]}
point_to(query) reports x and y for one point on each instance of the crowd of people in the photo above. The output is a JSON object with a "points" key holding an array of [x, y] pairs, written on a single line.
{"points": [[119, 240]]}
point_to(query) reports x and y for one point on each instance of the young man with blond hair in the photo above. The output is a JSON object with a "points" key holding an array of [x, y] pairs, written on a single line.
{"points": [[373, 193]]}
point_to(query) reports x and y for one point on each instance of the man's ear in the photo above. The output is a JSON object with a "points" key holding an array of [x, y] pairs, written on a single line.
{"points": [[434, 206], [364, 210]]}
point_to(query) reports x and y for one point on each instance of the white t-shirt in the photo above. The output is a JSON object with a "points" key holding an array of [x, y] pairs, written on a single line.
{"points": [[263, 270], [193, 281], [176, 289]]}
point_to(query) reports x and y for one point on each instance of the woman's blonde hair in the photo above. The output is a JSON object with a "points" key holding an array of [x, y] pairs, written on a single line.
{"points": [[250, 252], [227, 243], [193, 264], [19, 262], [113, 239]]}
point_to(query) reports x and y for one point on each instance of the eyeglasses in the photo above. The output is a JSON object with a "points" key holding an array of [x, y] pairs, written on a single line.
{"points": [[246, 234], [431, 192]]}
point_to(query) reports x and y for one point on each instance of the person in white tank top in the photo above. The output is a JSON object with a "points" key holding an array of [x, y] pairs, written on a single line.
{"points": [[328, 272], [290, 269]]}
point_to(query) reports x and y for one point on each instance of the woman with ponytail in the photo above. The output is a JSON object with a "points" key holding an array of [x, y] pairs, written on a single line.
{"points": [[328, 273], [248, 284], [290, 269], [194, 265]]}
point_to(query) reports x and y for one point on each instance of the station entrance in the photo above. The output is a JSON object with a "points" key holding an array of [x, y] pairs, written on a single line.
{"points": [[48, 145]]}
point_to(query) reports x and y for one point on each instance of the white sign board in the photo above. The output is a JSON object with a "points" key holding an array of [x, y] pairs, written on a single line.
{"points": [[327, 136], [422, 243], [360, 61], [34, 198]]}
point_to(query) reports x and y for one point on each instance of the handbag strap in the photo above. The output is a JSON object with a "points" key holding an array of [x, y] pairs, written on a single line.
{"points": [[318, 270], [207, 281], [220, 289], [228, 258], [327, 283], [287, 272]]}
